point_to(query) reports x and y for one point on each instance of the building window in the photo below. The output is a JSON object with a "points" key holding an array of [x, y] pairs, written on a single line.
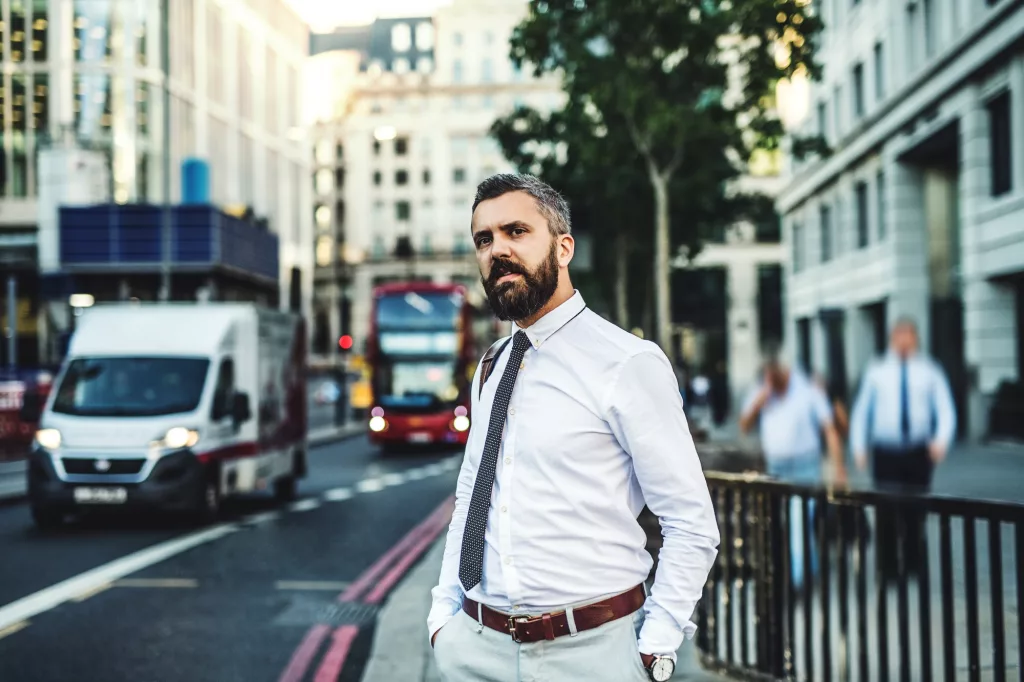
{"points": [[457, 39], [837, 110], [858, 90], [339, 178], [822, 119], [457, 71], [880, 200], [911, 33], [403, 211], [401, 38], [879, 72], [39, 24], [825, 222], [401, 146], [376, 147], [400, 66], [376, 178], [861, 196], [401, 177], [424, 65], [426, 176], [999, 144], [487, 71], [424, 36], [459, 176]]}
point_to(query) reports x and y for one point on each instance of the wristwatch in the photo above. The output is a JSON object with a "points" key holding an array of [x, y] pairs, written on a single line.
{"points": [[660, 668]]}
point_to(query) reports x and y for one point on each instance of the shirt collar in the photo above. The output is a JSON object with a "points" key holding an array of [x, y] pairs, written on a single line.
{"points": [[543, 328]]}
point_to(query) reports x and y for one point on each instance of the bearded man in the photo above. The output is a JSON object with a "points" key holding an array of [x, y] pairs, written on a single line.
{"points": [[580, 425]]}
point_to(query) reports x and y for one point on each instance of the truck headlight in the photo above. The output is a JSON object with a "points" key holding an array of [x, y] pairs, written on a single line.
{"points": [[461, 423], [48, 438], [377, 424], [180, 437]]}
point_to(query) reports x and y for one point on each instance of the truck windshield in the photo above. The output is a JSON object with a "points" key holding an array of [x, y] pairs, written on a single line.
{"points": [[419, 311], [416, 385], [131, 387]]}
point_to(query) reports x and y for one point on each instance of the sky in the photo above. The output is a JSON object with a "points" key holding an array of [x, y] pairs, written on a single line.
{"points": [[324, 15]]}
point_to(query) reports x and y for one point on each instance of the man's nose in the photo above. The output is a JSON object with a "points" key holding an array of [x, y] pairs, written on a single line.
{"points": [[501, 247]]}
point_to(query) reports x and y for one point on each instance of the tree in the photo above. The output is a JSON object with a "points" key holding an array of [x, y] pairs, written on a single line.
{"points": [[684, 78]]}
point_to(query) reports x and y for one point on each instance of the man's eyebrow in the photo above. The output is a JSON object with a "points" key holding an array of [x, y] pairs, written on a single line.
{"points": [[507, 227]]}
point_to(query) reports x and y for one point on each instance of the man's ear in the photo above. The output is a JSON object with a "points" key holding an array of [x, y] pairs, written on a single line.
{"points": [[566, 249]]}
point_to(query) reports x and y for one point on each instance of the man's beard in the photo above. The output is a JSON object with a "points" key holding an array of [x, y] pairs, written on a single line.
{"points": [[522, 298]]}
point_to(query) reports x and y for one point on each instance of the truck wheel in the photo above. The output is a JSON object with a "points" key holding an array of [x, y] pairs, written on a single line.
{"points": [[208, 509], [46, 518], [285, 488]]}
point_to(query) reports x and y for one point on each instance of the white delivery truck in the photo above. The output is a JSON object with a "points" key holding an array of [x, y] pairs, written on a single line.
{"points": [[171, 406]]}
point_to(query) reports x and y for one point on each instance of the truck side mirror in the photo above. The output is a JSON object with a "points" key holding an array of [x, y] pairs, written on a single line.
{"points": [[31, 407], [240, 410]]}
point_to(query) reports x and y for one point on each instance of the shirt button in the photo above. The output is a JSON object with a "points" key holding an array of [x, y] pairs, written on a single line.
{"points": [[512, 411], [508, 460], [504, 508]]}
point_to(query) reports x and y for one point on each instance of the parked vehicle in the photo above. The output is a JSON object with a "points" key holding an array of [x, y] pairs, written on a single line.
{"points": [[171, 406]]}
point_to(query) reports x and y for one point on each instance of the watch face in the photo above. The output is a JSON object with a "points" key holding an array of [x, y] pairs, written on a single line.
{"points": [[662, 669]]}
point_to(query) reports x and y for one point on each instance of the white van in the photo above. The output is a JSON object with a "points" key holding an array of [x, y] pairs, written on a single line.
{"points": [[171, 406]]}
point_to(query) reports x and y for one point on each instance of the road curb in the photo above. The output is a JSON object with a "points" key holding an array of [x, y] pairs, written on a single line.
{"points": [[402, 626]]}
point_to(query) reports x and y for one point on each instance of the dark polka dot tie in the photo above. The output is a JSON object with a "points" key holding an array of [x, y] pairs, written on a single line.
{"points": [[471, 561]]}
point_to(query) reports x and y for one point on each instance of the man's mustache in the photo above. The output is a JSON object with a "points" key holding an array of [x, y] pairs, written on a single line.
{"points": [[500, 268]]}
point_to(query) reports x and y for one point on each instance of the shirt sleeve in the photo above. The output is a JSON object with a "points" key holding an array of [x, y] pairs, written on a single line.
{"points": [[646, 416], [860, 418], [945, 408], [446, 597], [820, 405]]}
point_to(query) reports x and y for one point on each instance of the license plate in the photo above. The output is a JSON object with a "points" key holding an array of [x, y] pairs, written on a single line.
{"points": [[419, 438], [101, 495]]}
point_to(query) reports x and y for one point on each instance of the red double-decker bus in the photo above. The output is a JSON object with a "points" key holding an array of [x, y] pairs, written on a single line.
{"points": [[421, 355]]}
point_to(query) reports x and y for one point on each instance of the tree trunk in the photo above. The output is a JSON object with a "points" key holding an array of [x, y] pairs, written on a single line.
{"points": [[621, 279], [662, 293]]}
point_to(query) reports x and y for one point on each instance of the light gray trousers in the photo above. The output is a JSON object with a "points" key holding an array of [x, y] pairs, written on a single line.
{"points": [[465, 651]]}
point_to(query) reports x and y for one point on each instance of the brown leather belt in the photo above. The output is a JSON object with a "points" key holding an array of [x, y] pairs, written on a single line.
{"points": [[525, 629]]}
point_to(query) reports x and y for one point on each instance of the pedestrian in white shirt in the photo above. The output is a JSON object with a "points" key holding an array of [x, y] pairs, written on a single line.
{"points": [[793, 413], [905, 416], [578, 427]]}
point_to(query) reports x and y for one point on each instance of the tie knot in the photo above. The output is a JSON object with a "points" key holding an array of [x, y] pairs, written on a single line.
{"points": [[520, 341]]}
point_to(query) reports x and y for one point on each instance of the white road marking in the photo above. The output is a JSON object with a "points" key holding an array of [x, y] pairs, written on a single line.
{"points": [[176, 583], [55, 595], [370, 485], [11, 629], [416, 474], [305, 505], [433, 469], [338, 494], [262, 518], [453, 463], [89, 594], [393, 479], [325, 585]]}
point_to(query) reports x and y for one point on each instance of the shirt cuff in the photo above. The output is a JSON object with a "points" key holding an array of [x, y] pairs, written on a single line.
{"points": [[440, 614], [661, 639]]}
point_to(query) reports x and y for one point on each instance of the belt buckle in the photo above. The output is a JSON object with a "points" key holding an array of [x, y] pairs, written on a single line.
{"points": [[513, 621]]}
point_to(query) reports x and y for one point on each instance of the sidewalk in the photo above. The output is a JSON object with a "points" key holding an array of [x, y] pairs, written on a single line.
{"points": [[400, 647], [12, 474]]}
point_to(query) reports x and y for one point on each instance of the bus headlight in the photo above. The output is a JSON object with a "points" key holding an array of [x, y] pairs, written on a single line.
{"points": [[461, 423], [377, 424], [48, 438]]}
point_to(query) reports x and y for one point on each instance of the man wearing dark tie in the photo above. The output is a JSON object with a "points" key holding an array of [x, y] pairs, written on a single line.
{"points": [[905, 416], [577, 425]]}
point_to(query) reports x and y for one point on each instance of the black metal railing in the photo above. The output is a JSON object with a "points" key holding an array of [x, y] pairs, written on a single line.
{"points": [[884, 586]]}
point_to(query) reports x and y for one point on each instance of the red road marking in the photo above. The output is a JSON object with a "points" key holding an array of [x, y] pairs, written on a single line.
{"points": [[414, 553], [371, 574], [336, 655], [303, 656]]}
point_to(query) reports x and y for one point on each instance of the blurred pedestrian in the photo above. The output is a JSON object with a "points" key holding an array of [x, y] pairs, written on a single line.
{"points": [[837, 400], [905, 416], [793, 414], [544, 567]]}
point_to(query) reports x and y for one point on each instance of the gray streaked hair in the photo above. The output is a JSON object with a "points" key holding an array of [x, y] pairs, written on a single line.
{"points": [[550, 203]]}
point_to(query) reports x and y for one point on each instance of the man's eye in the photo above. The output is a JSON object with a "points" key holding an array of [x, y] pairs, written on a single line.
{"points": [[518, 231]]}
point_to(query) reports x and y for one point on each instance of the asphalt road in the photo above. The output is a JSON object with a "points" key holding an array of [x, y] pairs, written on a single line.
{"points": [[270, 593]]}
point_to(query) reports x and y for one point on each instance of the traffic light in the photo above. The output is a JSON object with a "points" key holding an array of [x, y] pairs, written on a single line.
{"points": [[345, 342]]}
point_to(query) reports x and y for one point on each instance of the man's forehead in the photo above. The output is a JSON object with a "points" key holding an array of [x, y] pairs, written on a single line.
{"points": [[492, 214]]}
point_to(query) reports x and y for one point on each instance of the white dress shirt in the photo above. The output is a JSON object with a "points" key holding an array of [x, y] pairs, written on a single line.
{"points": [[790, 424], [595, 429], [877, 415]]}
